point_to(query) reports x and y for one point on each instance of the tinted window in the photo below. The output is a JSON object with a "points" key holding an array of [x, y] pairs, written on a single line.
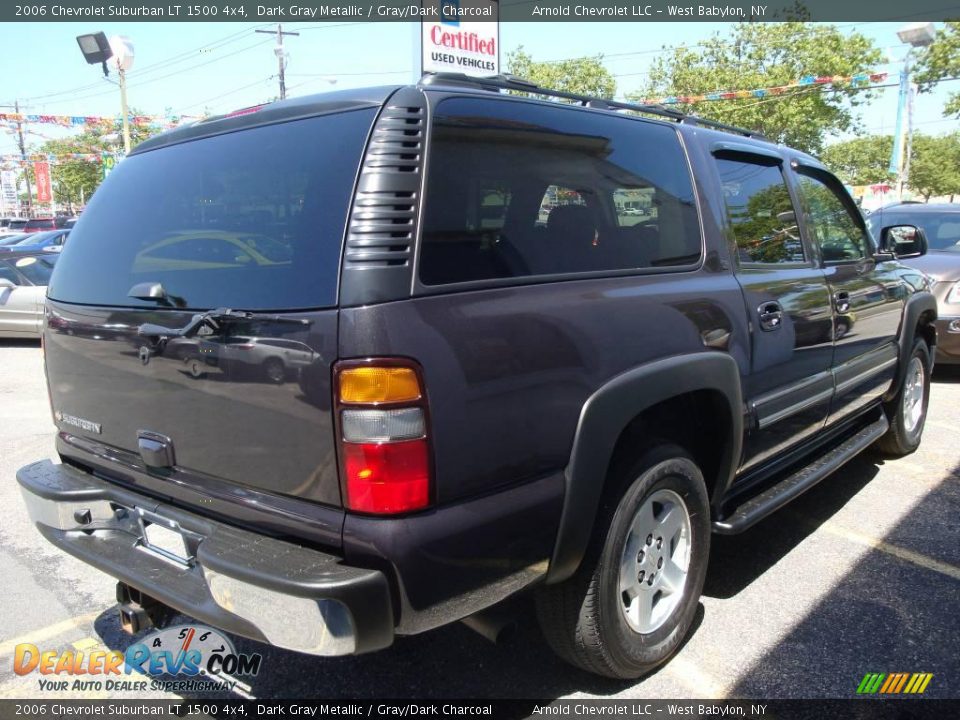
{"points": [[834, 226], [761, 213], [36, 269], [250, 220], [559, 176]]}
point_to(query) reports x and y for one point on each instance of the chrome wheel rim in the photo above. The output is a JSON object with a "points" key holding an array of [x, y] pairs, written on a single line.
{"points": [[655, 561], [913, 386]]}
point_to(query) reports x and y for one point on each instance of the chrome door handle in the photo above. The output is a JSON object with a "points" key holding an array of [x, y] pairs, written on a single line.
{"points": [[771, 316], [841, 301]]}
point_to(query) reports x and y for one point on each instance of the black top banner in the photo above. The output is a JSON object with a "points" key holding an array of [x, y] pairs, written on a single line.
{"points": [[510, 11]]}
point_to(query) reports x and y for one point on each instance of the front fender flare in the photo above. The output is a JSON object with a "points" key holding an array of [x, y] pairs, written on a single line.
{"points": [[919, 304], [606, 414]]}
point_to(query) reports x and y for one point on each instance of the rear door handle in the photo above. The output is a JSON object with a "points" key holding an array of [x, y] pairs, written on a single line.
{"points": [[842, 301], [771, 316]]}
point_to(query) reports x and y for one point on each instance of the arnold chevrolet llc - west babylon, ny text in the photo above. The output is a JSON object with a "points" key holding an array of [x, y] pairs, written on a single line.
{"points": [[628, 10]]}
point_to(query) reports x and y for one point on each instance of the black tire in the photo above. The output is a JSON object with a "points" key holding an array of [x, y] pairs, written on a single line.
{"points": [[275, 370], [583, 618], [905, 434]]}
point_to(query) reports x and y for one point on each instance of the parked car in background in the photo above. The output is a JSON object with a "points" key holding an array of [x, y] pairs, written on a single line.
{"points": [[10, 240], [940, 223], [23, 288], [13, 226], [49, 223], [51, 240], [70, 222]]}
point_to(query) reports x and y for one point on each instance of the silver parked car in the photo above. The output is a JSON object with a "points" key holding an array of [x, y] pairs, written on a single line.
{"points": [[23, 288]]}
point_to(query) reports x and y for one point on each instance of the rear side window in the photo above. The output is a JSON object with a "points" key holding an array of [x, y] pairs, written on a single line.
{"points": [[760, 212], [566, 188], [251, 220]]}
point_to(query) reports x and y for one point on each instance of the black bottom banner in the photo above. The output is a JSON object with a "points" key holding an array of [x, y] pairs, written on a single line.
{"points": [[868, 709]]}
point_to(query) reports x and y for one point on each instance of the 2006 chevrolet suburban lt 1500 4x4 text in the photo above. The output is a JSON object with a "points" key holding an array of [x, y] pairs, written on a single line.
{"points": [[493, 344]]}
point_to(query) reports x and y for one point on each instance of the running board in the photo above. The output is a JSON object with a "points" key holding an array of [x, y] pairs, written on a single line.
{"points": [[775, 497]]}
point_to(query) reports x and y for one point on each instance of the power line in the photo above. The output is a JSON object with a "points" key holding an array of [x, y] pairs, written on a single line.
{"points": [[180, 71], [160, 64]]}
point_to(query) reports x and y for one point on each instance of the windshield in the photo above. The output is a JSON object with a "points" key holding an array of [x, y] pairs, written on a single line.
{"points": [[250, 220], [942, 230]]}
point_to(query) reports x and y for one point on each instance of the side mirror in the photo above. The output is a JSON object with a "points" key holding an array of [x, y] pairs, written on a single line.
{"points": [[904, 241], [4, 284]]}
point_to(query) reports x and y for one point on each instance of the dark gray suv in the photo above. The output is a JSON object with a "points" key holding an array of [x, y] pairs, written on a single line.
{"points": [[553, 346]]}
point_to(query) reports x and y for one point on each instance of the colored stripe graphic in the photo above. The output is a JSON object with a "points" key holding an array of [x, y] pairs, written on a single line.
{"points": [[870, 683], [894, 683]]}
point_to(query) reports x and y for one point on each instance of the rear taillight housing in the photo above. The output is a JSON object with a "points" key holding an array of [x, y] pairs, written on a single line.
{"points": [[382, 427]]}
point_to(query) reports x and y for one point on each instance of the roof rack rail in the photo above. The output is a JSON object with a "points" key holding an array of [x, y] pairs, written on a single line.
{"points": [[518, 84]]}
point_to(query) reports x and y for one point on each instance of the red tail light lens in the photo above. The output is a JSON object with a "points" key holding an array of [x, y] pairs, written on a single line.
{"points": [[387, 478], [383, 432]]}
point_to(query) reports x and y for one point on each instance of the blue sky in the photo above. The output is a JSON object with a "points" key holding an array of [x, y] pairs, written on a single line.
{"points": [[189, 67]]}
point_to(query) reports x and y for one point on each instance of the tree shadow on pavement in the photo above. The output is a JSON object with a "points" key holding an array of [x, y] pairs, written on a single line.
{"points": [[894, 611], [738, 560]]}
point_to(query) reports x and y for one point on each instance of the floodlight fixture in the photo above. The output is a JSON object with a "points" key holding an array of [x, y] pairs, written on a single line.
{"points": [[96, 49], [919, 34]]}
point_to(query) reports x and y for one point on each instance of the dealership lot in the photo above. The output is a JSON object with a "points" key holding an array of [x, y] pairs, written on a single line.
{"points": [[860, 575]]}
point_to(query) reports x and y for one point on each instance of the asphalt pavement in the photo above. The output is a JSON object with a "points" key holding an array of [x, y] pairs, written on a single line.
{"points": [[861, 574]]}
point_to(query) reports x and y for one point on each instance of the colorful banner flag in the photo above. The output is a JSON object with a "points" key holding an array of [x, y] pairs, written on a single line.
{"points": [[41, 173]]}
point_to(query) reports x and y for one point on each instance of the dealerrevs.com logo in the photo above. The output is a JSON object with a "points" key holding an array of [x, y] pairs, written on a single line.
{"points": [[200, 658]]}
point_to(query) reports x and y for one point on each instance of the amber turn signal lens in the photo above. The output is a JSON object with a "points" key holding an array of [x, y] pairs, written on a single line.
{"points": [[372, 384]]}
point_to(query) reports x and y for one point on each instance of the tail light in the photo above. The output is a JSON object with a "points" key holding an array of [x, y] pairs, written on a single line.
{"points": [[383, 434]]}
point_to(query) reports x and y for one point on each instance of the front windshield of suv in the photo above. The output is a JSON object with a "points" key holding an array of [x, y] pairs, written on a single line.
{"points": [[942, 230], [251, 220]]}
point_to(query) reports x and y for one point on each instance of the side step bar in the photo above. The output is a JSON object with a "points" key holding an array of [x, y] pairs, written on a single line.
{"points": [[775, 497]]}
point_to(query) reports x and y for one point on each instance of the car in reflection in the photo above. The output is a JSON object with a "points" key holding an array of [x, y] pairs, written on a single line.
{"points": [[274, 359], [211, 249], [940, 223], [23, 290]]}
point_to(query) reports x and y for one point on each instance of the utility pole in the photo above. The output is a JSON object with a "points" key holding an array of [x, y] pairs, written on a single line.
{"points": [[23, 152], [279, 52]]}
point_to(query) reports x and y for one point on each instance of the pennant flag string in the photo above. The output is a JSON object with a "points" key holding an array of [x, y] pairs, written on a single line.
{"points": [[858, 80]]}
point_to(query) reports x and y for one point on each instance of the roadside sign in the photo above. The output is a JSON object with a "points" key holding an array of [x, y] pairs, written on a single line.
{"points": [[460, 36]]}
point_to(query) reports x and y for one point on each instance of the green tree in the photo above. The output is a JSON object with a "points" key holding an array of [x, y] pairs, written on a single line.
{"points": [[861, 161], [586, 76], [75, 180], [762, 55], [939, 61], [935, 165]]}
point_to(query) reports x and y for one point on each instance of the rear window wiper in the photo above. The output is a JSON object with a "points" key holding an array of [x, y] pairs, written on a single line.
{"points": [[215, 320]]}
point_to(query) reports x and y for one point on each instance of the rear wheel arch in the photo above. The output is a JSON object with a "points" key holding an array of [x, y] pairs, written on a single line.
{"points": [[633, 405]]}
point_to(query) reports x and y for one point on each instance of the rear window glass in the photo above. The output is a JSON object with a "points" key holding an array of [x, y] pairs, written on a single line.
{"points": [[516, 189], [251, 220]]}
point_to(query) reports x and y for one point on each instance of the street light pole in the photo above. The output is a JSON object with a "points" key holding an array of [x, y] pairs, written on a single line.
{"points": [[916, 35], [280, 59], [123, 109]]}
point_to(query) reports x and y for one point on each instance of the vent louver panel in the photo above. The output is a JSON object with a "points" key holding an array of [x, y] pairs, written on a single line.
{"points": [[378, 252], [381, 230]]}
